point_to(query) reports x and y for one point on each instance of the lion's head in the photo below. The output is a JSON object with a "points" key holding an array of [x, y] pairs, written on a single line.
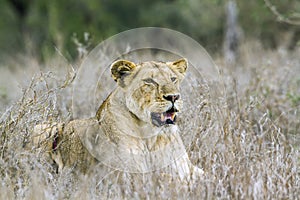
{"points": [[151, 89]]}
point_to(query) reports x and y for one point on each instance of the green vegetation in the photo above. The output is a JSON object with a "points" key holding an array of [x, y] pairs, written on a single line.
{"points": [[37, 26]]}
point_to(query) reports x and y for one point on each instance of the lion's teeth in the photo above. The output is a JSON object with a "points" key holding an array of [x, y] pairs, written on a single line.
{"points": [[162, 117], [173, 116]]}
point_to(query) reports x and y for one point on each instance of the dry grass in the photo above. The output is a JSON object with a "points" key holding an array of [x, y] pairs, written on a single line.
{"points": [[248, 143]]}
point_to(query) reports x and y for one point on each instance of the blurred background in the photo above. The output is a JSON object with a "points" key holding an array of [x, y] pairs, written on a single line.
{"points": [[37, 27]]}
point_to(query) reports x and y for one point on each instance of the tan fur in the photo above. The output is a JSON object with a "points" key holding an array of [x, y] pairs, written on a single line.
{"points": [[124, 125]]}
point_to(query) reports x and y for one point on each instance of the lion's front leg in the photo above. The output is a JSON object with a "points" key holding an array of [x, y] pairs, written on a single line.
{"points": [[186, 170]]}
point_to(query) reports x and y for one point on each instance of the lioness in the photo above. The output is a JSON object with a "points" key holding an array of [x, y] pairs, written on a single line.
{"points": [[134, 129]]}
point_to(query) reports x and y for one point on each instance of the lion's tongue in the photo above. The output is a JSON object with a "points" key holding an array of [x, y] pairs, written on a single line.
{"points": [[167, 116]]}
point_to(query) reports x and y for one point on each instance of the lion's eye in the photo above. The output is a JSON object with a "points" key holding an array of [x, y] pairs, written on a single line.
{"points": [[174, 79], [150, 81]]}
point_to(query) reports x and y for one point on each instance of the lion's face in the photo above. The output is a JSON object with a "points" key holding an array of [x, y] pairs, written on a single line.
{"points": [[151, 89]]}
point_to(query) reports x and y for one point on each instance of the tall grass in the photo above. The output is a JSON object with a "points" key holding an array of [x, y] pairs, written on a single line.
{"points": [[247, 144]]}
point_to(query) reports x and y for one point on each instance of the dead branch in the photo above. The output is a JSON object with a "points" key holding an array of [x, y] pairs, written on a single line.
{"points": [[280, 16]]}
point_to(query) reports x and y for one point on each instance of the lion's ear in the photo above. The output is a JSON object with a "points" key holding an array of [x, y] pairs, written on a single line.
{"points": [[121, 68], [180, 65]]}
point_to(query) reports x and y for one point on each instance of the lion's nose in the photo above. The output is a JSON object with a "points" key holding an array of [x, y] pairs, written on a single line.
{"points": [[172, 97]]}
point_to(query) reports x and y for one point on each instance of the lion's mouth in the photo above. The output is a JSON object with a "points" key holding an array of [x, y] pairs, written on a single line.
{"points": [[168, 117]]}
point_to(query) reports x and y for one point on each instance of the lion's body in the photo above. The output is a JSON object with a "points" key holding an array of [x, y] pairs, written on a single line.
{"points": [[134, 129]]}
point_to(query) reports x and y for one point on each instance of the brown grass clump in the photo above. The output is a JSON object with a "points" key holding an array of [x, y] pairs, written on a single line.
{"points": [[248, 145]]}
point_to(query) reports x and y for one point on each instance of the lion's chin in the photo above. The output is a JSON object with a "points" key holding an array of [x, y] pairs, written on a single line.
{"points": [[161, 119]]}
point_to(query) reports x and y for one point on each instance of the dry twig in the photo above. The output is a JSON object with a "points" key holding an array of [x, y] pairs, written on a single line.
{"points": [[280, 16]]}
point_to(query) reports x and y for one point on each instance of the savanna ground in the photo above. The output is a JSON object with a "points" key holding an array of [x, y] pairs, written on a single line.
{"points": [[246, 139]]}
